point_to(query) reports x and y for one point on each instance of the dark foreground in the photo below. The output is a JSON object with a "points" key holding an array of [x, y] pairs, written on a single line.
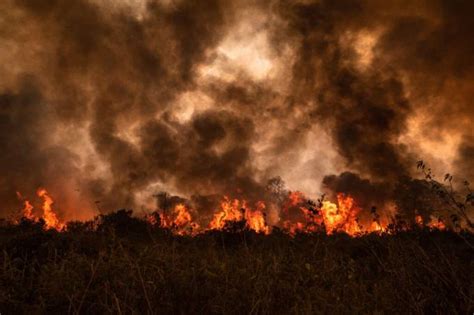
{"points": [[124, 266]]}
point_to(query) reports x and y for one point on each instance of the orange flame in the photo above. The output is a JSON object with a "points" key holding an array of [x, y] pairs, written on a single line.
{"points": [[376, 227], [299, 215], [49, 215], [341, 217], [256, 219], [230, 212], [235, 210], [419, 220], [28, 210], [295, 198], [182, 222], [437, 223]]}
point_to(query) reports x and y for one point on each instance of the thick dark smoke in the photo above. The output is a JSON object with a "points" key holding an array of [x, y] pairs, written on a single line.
{"points": [[465, 158], [105, 103], [365, 192], [367, 109], [26, 163]]}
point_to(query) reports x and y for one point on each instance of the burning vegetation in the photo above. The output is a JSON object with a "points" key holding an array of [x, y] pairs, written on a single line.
{"points": [[274, 140], [210, 100], [294, 214], [119, 262]]}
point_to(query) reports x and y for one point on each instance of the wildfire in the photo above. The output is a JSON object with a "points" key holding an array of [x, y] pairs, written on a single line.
{"points": [[297, 215], [49, 216], [419, 220], [256, 219], [341, 216], [437, 223], [180, 220], [235, 211], [376, 227], [28, 211], [230, 212]]}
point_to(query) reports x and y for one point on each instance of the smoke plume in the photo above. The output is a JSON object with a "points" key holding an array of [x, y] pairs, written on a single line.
{"points": [[107, 103]]}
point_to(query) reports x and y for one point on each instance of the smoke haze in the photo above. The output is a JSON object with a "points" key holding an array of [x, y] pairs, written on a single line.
{"points": [[106, 103]]}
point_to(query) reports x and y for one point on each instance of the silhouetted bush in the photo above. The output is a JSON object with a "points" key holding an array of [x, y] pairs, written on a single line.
{"points": [[122, 223]]}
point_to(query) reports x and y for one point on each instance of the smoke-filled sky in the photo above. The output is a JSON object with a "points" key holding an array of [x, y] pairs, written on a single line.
{"points": [[114, 101]]}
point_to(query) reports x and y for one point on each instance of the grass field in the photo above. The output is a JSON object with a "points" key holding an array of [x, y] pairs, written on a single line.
{"points": [[125, 266]]}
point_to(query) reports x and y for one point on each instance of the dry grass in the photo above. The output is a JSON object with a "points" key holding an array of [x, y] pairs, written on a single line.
{"points": [[127, 267]]}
